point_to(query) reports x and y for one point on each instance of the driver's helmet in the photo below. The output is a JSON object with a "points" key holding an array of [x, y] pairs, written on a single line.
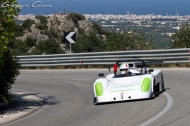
{"points": [[124, 67]]}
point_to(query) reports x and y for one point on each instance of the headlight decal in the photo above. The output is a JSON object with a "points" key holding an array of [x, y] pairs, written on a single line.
{"points": [[146, 84], [99, 89]]}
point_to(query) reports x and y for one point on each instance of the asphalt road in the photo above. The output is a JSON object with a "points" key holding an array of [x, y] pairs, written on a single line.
{"points": [[70, 96]]}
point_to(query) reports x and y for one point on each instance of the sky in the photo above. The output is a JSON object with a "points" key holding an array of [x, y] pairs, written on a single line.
{"points": [[139, 7]]}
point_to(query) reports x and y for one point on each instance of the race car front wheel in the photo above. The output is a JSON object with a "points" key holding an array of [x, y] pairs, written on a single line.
{"points": [[95, 101], [154, 90]]}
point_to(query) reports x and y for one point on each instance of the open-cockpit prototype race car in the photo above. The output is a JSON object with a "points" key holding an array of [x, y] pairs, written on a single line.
{"points": [[139, 83]]}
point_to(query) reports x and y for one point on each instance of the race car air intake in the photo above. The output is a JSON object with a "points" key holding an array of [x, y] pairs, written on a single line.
{"points": [[145, 87], [99, 89]]}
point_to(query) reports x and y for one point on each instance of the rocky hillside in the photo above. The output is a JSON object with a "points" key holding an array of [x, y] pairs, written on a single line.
{"points": [[58, 24], [62, 23], [45, 28], [45, 35]]}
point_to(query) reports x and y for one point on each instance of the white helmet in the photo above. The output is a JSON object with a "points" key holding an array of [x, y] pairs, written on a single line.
{"points": [[124, 67]]}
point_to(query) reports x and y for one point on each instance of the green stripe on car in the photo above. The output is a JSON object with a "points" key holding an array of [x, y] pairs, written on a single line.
{"points": [[99, 89], [146, 84]]}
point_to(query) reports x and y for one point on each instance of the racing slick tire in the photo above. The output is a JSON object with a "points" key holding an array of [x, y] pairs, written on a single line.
{"points": [[95, 101], [154, 90], [163, 88]]}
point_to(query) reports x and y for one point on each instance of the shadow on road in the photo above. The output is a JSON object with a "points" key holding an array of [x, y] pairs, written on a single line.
{"points": [[23, 101]]}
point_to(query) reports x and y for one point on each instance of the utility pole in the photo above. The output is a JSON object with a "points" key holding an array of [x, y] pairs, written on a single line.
{"points": [[65, 12], [177, 15]]}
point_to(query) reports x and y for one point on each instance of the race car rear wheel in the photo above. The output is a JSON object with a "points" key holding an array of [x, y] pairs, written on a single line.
{"points": [[163, 88], [95, 101]]}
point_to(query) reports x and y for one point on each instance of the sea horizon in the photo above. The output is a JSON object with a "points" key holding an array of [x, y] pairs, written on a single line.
{"points": [[123, 7]]}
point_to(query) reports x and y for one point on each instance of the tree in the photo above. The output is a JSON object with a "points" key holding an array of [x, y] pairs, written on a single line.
{"points": [[181, 39], [8, 64], [7, 24], [114, 42], [128, 41], [8, 71], [141, 41]]}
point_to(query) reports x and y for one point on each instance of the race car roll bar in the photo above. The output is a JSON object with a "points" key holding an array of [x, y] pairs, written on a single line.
{"points": [[128, 60]]}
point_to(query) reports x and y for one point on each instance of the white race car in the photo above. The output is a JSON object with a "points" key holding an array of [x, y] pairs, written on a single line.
{"points": [[137, 84]]}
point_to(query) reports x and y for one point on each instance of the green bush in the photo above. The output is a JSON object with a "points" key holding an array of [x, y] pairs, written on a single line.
{"points": [[43, 19], [36, 52], [49, 46], [27, 23], [9, 69], [43, 22], [20, 47], [98, 28], [76, 17], [19, 31], [29, 29], [30, 41], [51, 33], [41, 27]]}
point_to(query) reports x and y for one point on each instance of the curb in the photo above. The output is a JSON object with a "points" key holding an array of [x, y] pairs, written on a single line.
{"points": [[21, 99]]}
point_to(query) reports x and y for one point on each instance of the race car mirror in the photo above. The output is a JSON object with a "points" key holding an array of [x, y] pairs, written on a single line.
{"points": [[115, 68], [101, 74], [150, 70]]}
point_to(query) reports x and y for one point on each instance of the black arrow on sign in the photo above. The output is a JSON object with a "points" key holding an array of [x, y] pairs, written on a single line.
{"points": [[70, 37]]}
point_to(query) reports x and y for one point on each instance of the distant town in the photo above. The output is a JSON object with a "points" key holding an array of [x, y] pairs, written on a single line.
{"points": [[128, 16], [110, 20]]}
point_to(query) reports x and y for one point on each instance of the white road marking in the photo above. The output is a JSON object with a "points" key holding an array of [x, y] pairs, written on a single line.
{"points": [[167, 107]]}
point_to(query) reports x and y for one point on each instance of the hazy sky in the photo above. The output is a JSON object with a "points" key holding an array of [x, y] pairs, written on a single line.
{"points": [[110, 6]]}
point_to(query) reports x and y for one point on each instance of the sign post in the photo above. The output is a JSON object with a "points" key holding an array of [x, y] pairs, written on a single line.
{"points": [[70, 37]]}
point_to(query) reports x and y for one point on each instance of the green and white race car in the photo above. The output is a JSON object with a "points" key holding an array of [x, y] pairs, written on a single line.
{"points": [[139, 83]]}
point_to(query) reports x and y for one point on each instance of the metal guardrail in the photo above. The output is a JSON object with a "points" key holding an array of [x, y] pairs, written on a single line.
{"points": [[105, 58]]}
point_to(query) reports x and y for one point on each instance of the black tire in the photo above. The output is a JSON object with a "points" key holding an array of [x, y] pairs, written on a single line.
{"points": [[154, 90], [95, 101], [163, 88]]}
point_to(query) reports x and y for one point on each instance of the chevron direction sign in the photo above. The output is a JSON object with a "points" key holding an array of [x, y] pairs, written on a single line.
{"points": [[70, 37]]}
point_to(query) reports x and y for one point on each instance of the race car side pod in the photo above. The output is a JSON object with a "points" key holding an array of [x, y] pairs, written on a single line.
{"points": [[115, 68]]}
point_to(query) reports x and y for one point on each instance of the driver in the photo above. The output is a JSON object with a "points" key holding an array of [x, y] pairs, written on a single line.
{"points": [[124, 68]]}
